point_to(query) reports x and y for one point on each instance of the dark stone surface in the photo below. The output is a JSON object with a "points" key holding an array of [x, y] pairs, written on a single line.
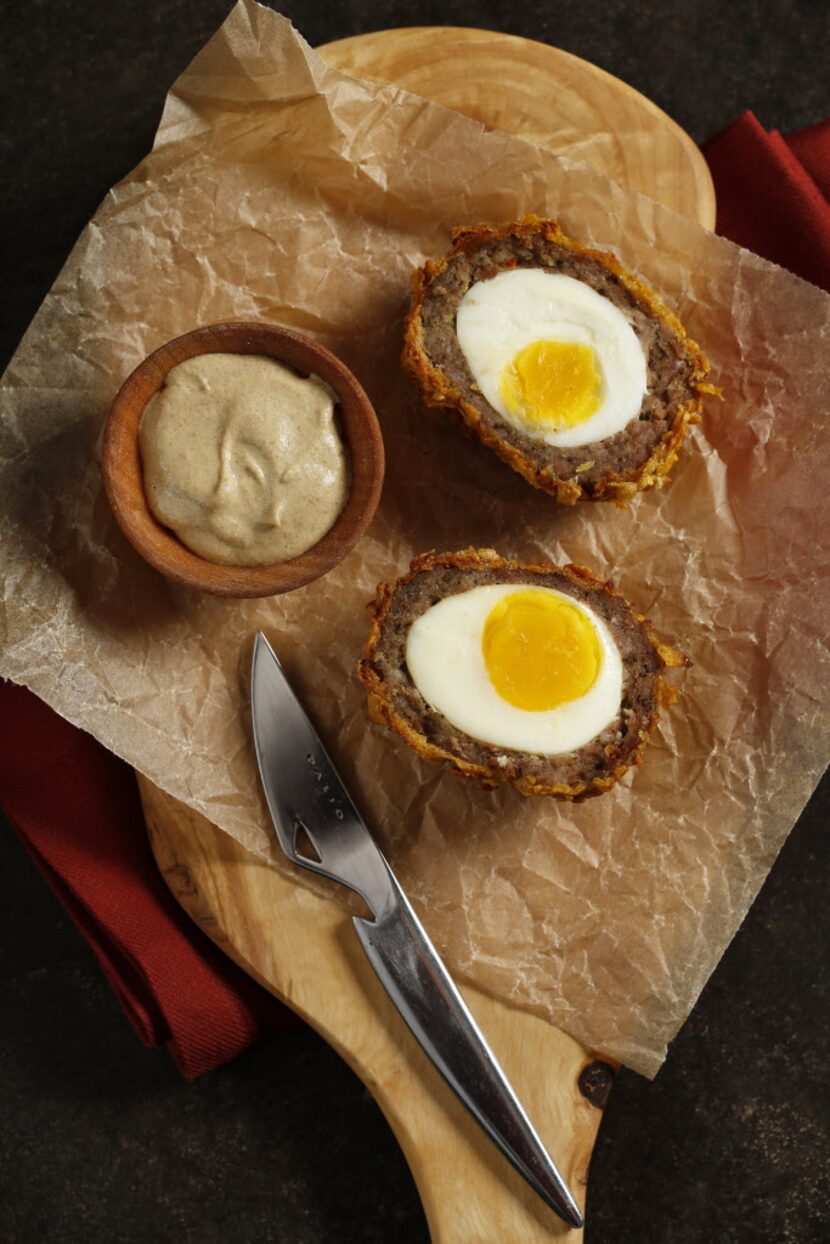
{"points": [[100, 1140]]}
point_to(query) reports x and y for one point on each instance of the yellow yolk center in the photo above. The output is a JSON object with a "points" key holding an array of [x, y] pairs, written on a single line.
{"points": [[556, 383], [540, 651]]}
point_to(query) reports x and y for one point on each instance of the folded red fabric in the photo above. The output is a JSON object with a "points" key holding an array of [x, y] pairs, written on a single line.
{"points": [[77, 808], [773, 194]]}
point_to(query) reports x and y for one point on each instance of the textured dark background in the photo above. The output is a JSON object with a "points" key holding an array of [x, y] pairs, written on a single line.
{"points": [[100, 1140]]}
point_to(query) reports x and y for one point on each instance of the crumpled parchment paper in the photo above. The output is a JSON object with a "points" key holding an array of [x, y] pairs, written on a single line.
{"points": [[281, 190]]}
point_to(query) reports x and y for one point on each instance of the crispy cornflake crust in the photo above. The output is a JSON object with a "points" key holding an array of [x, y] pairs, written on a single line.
{"points": [[382, 712], [439, 391]]}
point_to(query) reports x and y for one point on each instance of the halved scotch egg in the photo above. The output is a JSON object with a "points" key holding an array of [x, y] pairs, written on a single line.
{"points": [[550, 353], [538, 676]]}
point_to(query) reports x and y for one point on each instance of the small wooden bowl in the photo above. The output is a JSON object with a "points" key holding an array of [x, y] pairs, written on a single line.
{"points": [[124, 485]]}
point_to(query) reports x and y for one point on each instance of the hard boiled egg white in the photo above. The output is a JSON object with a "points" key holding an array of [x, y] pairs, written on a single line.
{"points": [[527, 668], [557, 360]]}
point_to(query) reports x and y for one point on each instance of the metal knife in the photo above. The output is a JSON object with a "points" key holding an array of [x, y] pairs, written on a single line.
{"points": [[320, 829]]}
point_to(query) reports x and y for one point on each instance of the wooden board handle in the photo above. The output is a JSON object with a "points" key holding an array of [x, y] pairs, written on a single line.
{"points": [[303, 949]]}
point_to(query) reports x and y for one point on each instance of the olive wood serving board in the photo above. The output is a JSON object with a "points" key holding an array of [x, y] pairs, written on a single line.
{"points": [[301, 946]]}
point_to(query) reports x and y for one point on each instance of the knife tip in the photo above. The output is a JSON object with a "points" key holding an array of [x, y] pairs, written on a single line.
{"points": [[575, 1219], [261, 647], [571, 1212]]}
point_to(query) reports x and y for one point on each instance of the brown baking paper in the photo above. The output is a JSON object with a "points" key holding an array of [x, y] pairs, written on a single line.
{"points": [[280, 190]]}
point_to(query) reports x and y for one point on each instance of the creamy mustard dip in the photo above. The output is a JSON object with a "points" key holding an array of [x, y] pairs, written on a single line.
{"points": [[242, 459]]}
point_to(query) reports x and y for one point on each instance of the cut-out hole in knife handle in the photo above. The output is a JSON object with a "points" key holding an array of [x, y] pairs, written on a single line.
{"points": [[306, 850]]}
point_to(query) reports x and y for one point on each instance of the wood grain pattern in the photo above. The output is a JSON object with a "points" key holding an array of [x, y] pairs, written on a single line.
{"points": [[300, 945], [545, 95], [122, 462]]}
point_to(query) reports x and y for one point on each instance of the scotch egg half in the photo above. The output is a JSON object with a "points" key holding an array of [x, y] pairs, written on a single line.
{"points": [[536, 676], [558, 359]]}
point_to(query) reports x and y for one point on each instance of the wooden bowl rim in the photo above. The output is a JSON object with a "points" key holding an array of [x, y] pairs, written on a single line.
{"points": [[123, 477]]}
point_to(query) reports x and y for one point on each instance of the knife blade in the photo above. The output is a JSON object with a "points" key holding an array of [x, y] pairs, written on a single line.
{"points": [[319, 828]]}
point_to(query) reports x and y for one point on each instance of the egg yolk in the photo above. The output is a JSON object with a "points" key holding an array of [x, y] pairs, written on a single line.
{"points": [[540, 651], [556, 383]]}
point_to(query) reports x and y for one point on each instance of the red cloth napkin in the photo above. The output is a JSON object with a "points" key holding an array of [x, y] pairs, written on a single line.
{"points": [[773, 194], [76, 806], [77, 809]]}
